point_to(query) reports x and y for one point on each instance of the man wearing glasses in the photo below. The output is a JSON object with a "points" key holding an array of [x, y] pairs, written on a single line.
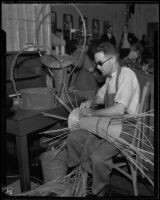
{"points": [[120, 94]]}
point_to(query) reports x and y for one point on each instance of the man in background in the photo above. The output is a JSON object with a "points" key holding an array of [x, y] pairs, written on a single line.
{"points": [[109, 37], [127, 39]]}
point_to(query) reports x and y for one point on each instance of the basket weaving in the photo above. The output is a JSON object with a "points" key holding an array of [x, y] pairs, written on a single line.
{"points": [[39, 98]]}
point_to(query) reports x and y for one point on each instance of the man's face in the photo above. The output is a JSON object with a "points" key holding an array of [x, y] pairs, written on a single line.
{"points": [[104, 63]]}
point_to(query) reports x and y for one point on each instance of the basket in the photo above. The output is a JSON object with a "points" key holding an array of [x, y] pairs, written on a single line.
{"points": [[41, 98]]}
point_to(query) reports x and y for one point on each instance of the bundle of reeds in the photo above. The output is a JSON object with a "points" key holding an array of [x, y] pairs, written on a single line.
{"points": [[72, 185]]}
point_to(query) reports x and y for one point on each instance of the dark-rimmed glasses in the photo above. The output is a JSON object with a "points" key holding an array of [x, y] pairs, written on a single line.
{"points": [[102, 63]]}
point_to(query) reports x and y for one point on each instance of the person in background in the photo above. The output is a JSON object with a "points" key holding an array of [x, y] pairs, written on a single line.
{"points": [[85, 82], [144, 42], [57, 38], [58, 46], [108, 37], [134, 58], [100, 79], [127, 39]]}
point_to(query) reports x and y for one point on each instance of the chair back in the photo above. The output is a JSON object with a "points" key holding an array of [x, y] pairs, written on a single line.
{"points": [[142, 108], [144, 97]]}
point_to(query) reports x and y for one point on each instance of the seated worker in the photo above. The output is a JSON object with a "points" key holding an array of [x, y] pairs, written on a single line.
{"points": [[120, 94], [57, 38], [84, 82], [134, 58]]}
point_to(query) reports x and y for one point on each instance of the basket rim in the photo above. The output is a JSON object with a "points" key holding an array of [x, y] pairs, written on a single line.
{"points": [[39, 89]]}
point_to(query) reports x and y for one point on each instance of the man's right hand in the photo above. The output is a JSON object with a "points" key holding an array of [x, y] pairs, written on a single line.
{"points": [[86, 104]]}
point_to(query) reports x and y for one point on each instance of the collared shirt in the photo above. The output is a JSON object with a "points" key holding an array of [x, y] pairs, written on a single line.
{"points": [[128, 89]]}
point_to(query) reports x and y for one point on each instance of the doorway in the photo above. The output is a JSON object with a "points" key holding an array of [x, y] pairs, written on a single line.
{"points": [[152, 29]]}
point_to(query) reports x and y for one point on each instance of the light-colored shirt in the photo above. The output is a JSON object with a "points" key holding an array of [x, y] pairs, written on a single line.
{"points": [[125, 43], [128, 92]]}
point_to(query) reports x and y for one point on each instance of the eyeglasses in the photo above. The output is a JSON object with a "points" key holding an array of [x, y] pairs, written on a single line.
{"points": [[102, 63]]}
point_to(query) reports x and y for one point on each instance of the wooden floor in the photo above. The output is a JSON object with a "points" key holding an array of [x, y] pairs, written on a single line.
{"points": [[118, 186]]}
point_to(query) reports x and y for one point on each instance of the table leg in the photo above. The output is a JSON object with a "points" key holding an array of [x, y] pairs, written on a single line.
{"points": [[23, 163]]}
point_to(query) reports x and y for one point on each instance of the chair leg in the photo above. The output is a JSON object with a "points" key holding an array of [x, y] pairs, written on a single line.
{"points": [[134, 181]]}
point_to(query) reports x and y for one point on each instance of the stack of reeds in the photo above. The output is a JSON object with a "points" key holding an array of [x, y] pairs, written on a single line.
{"points": [[72, 185]]}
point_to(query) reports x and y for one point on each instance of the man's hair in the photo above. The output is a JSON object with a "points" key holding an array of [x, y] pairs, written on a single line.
{"points": [[107, 48], [137, 47]]}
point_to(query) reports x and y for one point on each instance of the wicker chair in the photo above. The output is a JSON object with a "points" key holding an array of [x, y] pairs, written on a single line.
{"points": [[121, 163]]}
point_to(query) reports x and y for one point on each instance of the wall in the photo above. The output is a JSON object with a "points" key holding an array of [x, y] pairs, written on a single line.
{"points": [[114, 13], [21, 21], [144, 13]]}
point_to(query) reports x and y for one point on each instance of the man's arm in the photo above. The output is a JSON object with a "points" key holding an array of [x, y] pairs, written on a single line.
{"points": [[91, 103], [117, 109]]}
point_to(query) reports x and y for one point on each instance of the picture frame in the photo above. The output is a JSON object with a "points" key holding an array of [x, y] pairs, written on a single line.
{"points": [[67, 25], [95, 29], [53, 19], [81, 23], [105, 26]]}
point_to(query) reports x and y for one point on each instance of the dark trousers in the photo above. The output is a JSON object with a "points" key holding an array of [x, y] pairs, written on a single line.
{"points": [[94, 154]]}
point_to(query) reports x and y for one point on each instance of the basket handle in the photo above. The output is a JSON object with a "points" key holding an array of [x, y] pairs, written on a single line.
{"points": [[13, 64]]}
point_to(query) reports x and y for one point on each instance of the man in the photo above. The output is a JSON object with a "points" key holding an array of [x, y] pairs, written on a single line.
{"points": [[120, 94], [134, 58], [127, 39], [108, 37]]}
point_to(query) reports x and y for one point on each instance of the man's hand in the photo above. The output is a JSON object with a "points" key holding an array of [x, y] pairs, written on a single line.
{"points": [[86, 104], [87, 112]]}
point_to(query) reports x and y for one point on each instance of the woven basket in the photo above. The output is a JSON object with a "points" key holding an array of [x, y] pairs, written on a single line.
{"points": [[37, 98]]}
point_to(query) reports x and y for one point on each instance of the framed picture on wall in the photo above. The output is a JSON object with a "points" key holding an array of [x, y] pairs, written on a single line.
{"points": [[81, 23], [53, 19], [95, 29], [105, 26], [67, 25]]}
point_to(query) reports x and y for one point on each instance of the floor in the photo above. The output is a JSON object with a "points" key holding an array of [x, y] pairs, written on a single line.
{"points": [[118, 186]]}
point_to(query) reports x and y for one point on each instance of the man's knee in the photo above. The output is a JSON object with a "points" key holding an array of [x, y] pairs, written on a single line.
{"points": [[76, 136], [72, 136], [97, 159]]}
